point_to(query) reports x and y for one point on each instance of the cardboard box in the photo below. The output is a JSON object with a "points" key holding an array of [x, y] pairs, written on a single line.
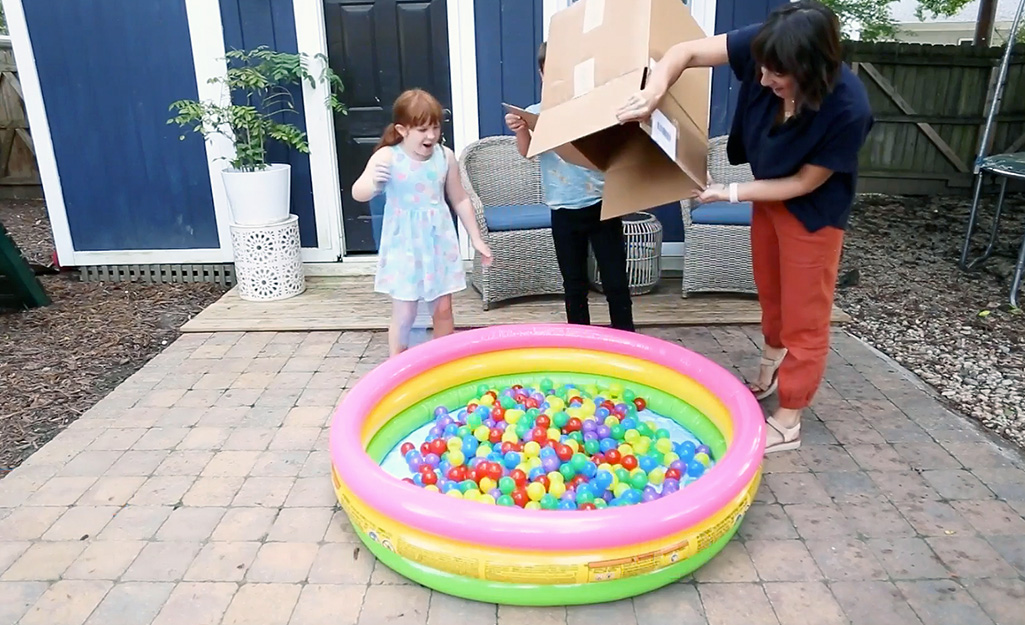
{"points": [[599, 53]]}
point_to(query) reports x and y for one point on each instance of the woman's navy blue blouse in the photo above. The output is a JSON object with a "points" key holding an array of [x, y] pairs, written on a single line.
{"points": [[830, 137]]}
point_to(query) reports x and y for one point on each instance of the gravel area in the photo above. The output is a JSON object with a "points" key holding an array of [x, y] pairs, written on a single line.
{"points": [[58, 361], [901, 284]]}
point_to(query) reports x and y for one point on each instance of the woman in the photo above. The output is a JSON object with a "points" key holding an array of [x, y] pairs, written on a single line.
{"points": [[801, 119]]}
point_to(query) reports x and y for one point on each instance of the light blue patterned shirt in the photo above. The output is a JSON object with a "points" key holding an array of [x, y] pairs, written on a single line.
{"points": [[567, 185]]}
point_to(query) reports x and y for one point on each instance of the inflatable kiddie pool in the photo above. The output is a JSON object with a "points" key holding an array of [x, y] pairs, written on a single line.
{"points": [[527, 556]]}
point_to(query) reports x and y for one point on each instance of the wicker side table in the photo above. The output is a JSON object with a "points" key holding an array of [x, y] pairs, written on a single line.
{"points": [[642, 234]]}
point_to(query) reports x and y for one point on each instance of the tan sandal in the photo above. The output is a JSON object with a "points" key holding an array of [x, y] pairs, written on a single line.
{"points": [[789, 439], [774, 365]]}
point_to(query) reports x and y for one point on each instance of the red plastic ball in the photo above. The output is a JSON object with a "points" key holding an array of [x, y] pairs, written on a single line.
{"points": [[409, 480], [519, 497], [577, 480], [519, 477], [495, 436], [506, 447], [456, 474], [608, 405], [494, 471], [516, 387], [587, 506], [438, 446], [672, 474], [406, 448], [613, 456], [429, 477], [498, 413], [493, 394], [573, 425], [543, 480], [530, 402], [640, 404], [543, 421], [629, 462], [564, 452], [425, 448], [539, 435], [598, 459]]}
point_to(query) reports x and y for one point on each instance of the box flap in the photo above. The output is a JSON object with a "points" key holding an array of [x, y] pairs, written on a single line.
{"points": [[671, 23], [640, 177]]}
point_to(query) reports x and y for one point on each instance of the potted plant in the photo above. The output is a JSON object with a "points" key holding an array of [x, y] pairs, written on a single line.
{"points": [[250, 114]]}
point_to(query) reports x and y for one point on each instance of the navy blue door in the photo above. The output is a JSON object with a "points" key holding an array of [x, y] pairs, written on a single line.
{"points": [[379, 49]]}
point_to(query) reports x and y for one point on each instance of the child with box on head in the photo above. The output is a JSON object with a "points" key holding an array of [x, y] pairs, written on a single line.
{"points": [[574, 193]]}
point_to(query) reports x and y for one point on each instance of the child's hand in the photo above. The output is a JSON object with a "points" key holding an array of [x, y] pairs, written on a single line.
{"points": [[485, 252], [515, 122], [382, 174]]}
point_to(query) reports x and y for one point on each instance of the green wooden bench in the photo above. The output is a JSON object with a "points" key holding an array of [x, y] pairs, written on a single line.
{"points": [[19, 287]]}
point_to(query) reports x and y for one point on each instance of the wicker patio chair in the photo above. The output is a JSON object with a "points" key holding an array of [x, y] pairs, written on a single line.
{"points": [[498, 180], [717, 256]]}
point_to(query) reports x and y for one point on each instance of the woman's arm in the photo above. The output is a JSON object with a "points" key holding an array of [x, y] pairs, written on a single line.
{"points": [[806, 180], [707, 52]]}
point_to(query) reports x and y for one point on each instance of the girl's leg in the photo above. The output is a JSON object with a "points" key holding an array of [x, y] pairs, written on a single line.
{"points": [[441, 312], [609, 246], [569, 235], [403, 314]]}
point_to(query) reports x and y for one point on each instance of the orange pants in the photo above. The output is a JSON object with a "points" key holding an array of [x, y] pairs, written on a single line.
{"points": [[795, 272]]}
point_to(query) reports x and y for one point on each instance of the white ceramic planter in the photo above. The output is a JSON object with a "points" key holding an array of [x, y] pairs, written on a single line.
{"points": [[259, 198]]}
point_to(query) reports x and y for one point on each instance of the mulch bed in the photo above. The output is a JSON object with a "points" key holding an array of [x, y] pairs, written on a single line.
{"points": [[58, 361], [954, 329]]}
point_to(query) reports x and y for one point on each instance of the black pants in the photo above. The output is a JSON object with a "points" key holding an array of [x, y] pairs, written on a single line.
{"points": [[572, 229]]}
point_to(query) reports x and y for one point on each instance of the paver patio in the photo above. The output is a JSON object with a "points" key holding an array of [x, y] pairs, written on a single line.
{"points": [[198, 493]]}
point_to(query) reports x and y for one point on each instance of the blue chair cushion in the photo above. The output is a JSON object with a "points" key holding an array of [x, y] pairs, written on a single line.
{"points": [[518, 217], [722, 214]]}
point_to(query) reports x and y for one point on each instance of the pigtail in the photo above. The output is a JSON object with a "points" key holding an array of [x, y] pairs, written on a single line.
{"points": [[389, 138]]}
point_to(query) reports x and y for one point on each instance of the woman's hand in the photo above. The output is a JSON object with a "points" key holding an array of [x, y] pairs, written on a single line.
{"points": [[639, 106], [484, 250], [712, 193]]}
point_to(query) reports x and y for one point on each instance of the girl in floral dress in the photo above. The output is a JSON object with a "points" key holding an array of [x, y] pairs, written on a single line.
{"points": [[418, 258]]}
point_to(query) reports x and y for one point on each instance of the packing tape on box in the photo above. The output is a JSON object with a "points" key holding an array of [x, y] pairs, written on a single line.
{"points": [[594, 14]]}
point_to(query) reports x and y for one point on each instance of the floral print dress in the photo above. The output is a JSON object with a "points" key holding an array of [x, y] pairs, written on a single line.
{"points": [[418, 258]]}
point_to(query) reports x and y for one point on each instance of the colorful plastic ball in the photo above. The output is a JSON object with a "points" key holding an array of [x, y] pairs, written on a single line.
{"points": [[535, 491], [505, 500], [695, 469], [549, 502]]}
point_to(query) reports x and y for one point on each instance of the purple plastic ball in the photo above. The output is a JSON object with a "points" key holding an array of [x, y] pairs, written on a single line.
{"points": [[551, 463], [589, 426], [670, 488], [703, 449], [440, 411], [603, 431], [432, 459], [415, 463], [679, 466]]}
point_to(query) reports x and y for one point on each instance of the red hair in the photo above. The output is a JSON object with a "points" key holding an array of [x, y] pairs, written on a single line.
{"points": [[412, 109]]}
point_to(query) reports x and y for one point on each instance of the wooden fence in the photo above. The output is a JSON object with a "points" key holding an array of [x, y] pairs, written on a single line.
{"points": [[19, 175], [930, 104]]}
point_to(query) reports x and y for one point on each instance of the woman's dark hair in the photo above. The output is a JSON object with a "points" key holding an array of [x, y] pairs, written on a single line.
{"points": [[802, 40], [542, 51]]}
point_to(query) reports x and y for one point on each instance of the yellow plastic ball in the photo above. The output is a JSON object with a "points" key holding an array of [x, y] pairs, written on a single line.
{"points": [[591, 390], [651, 425], [557, 489], [553, 434], [573, 444], [486, 484], [703, 459], [535, 490], [611, 420], [456, 458], [616, 390], [657, 476], [631, 435], [664, 445], [605, 466], [483, 451], [531, 449], [488, 499], [556, 403], [532, 505], [481, 433], [473, 494], [454, 444], [533, 463], [487, 400], [620, 488], [455, 492], [642, 445], [433, 488], [588, 408], [625, 449], [670, 458], [634, 472], [509, 436], [555, 476]]}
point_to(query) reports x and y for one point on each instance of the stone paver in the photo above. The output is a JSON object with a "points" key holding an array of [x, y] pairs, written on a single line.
{"points": [[198, 493]]}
